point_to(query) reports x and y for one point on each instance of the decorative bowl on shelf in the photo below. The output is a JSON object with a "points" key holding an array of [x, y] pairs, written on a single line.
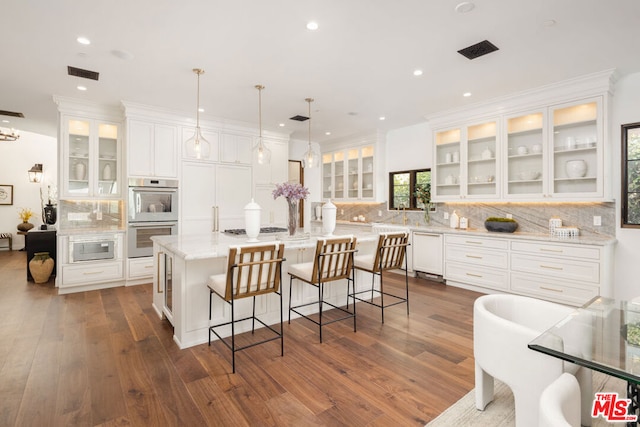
{"points": [[576, 168], [502, 225]]}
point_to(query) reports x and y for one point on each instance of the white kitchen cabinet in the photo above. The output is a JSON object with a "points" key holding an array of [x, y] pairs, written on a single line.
{"points": [[349, 174], [466, 164], [235, 148], [276, 171], [477, 261], [140, 269], [526, 156], [226, 186], [90, 158], [152, 149], [426, 249]]}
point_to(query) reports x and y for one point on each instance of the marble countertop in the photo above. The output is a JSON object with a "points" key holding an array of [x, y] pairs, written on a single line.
{"points": [[213, 245], [587, 239]]}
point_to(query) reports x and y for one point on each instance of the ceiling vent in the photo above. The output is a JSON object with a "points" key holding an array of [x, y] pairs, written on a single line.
{"points": [[85, 74], [299, 118], [11, 113], [478, 49]]}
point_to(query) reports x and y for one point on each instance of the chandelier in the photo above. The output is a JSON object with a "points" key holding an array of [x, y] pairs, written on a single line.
{"points": [[197, 146], [311, 158], [260, 150], [8, 135]]}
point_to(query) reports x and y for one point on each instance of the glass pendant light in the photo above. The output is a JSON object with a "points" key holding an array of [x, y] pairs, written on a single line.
{"points": [[311, 158], [260, 151], [198, 147]]}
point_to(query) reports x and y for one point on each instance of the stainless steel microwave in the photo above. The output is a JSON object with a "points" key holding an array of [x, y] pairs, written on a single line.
{"points": [[153, 200]]}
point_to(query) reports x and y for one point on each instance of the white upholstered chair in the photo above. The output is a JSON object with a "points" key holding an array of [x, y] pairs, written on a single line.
{"points": [[560, 403], [390, 255], [333, 261], [503, 326], [251, 271]]}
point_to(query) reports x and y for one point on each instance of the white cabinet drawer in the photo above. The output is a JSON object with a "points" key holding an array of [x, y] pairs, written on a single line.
{"points": [[479, 242], [560, 250], [140, 268], [552, 289], [478, 256], [584, 271], [475, 275], [91, 273]]}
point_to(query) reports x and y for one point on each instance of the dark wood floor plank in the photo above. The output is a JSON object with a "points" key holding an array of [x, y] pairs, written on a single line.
{"points": [[105, 358]]}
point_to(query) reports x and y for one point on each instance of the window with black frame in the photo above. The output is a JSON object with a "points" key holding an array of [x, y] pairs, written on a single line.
{"points": [[409, 189], [631, 175]]}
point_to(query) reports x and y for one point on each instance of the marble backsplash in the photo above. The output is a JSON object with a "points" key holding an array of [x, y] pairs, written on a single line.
{"points": [[531, 217], [91, 215]]}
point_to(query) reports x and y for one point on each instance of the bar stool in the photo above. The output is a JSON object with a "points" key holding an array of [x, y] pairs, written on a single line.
{"points": [[389, 255], [333, 260], [251, 271]]}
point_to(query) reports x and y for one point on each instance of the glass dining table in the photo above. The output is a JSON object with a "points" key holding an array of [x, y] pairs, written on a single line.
{"points": [[603, 335]]}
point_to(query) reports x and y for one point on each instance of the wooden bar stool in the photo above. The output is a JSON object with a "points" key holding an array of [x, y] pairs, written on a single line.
{"points": [[251, 271], [333, 261], [390, 254]]}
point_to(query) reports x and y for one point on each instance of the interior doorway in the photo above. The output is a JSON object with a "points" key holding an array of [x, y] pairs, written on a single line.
{"points": [[296, 175]]}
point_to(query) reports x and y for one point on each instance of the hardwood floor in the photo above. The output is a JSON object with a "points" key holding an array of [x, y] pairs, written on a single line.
{"points": [[105, 358]]}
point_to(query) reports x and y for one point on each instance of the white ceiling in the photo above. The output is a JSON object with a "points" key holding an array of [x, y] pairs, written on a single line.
{"points": [[358, 65]]}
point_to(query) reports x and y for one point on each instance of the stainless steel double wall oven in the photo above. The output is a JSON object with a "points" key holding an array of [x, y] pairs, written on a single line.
{"points": [[152, 211]]}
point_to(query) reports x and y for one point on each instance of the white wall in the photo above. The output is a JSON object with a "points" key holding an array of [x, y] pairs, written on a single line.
{"points": [[16, 158], [626, 109]]}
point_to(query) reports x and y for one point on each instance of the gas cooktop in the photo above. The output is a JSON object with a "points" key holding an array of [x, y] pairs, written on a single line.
{"points": [[263, 230]]}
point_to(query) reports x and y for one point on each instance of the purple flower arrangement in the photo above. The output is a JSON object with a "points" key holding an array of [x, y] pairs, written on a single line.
{"points": [[290, 191]]}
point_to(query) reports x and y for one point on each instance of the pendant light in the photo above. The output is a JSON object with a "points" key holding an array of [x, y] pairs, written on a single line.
{"points": [[198, 147], [311, 158], [260, 151]]}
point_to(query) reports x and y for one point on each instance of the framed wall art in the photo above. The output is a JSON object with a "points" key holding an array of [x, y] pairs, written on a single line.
{"points": [[6, 194]]}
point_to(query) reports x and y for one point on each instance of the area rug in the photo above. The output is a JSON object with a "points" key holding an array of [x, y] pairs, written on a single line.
{"points": [[501, 412]]}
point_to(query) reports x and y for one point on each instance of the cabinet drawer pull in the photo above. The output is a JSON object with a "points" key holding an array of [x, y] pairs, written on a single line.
{"points": [[544, 288], [559, 251], [148, 266], [473, 256], [87, 273], [551, 267], [474, 275], [473, 242]]}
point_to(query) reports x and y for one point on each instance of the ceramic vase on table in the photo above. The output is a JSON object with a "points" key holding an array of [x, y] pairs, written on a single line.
{"points": [[25, 226], [292, 224], [252, 220], [41, 266], [329, 212]]}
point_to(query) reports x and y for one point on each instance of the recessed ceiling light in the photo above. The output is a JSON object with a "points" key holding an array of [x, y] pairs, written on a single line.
{"points": [[549, 23], [312, 25], [5, 121], [82, 88], [465, 7], [281, 125], [201, 110], [417, 72], [327, 133], [382, 117], [83, 40], [466, 94]]}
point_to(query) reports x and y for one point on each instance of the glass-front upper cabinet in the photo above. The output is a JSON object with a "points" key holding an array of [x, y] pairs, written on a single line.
{"points": [[526, 155], [91, 157], [448, 172], [576, 136], [349, 174], [482, 160]]}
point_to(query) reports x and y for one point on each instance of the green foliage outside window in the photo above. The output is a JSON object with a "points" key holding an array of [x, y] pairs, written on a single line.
{"points": [[403, 187], [631, 175]]}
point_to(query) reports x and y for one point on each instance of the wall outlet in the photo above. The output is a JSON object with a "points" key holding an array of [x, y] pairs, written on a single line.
{"points": [[341, 211], [597, 220], [379, 213], [99, 216], [509, 216], [446, 215]]}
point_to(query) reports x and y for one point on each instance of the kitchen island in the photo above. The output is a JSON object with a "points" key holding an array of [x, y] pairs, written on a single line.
{"points": [[183, 264]]}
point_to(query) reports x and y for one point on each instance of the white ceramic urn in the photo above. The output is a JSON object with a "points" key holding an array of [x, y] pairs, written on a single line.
{"points": [[329, 212], [576, 168], [252, 220]]}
